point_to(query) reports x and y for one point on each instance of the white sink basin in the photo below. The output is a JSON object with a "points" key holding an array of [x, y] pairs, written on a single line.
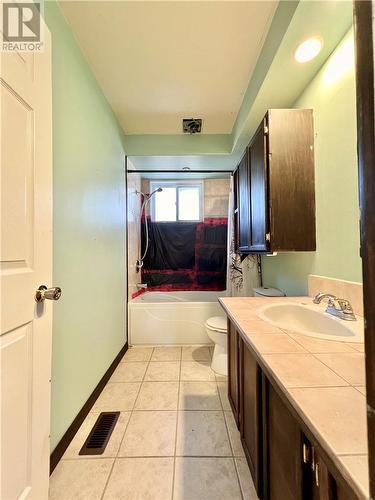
{"points": [[313, 321]]}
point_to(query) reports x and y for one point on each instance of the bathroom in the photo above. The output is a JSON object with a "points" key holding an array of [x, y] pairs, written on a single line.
{"points": [[200, 199]]}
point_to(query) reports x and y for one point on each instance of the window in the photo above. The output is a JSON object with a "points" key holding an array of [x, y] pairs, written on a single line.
{"points": [[177, 202]]}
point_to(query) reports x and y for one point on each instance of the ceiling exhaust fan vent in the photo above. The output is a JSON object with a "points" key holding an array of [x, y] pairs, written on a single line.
{"points": [[192, 125]]}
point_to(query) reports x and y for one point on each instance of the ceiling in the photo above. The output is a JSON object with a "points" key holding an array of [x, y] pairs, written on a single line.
{"points": [[158, 62], [225, 61]]}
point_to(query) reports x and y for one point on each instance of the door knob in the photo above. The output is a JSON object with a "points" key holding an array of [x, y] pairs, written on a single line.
{"points": [[47, 293]]}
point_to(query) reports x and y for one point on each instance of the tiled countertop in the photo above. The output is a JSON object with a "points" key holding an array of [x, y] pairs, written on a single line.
{"points": [[324, 381]]}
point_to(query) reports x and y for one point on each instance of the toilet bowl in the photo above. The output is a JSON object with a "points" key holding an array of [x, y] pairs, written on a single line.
{"points": [[216, 328]]}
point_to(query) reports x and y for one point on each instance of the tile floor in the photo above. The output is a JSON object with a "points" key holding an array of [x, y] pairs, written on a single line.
{"points": [[175, 438]]}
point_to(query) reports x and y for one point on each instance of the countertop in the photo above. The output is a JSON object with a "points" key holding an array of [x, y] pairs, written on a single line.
{"points": [[323, 380]]}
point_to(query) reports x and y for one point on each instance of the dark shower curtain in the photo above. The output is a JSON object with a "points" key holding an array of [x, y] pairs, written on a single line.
{"points": [[186, 255]]}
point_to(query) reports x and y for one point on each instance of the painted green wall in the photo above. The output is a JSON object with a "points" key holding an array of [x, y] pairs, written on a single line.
{"points": [[331, 94], [89, 236]]}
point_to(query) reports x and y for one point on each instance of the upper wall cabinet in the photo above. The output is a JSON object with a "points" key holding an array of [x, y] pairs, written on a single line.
{"points": [[275, 193]]}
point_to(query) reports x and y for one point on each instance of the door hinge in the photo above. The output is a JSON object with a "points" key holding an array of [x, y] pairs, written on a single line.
{"points": [[268, 236], [265, 130]]}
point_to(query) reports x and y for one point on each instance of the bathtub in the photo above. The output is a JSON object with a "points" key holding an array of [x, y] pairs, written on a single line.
{"points": [[166, 318]]}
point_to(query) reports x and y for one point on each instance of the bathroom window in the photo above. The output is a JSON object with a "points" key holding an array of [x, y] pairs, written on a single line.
{"points": [[177, 202]]}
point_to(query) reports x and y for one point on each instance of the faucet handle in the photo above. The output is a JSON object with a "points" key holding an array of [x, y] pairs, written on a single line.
{"points": [[345, 305]]}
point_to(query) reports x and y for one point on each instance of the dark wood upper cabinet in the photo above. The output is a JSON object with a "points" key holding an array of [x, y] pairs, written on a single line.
{"points": [[275, 182], [243, 203]]}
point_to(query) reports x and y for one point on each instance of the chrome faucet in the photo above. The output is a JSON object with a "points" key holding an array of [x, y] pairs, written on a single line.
{"points": [[341, 308]]}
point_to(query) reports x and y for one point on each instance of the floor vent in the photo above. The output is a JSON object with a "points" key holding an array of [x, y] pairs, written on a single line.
{"points": [[99, 436]]}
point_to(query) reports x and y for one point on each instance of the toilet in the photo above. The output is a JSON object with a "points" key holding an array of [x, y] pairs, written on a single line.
{"points": [[216, 328]]}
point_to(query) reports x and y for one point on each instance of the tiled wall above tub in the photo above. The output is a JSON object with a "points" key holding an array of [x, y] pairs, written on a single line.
{"points": [[350, 290], [134, 209]]}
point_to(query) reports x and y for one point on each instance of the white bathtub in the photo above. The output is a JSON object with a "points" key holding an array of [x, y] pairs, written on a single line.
{"points": [[165, 318]]}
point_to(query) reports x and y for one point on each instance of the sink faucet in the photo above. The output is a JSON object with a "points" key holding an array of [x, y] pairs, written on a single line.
{"points": [[341, 308]]}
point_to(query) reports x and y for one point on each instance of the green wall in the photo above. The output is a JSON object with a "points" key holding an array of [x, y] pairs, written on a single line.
{"points": [[89, 235], [331, 94]]}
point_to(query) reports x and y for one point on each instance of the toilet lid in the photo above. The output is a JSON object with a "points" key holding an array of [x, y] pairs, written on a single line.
{"points": [[218, 323]]}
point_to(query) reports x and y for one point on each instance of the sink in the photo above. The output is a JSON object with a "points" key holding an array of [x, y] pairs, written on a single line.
{"points": [[312, 321]]}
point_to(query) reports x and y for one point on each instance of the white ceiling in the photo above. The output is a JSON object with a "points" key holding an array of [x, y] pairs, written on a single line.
{"points": [[158, 62]]}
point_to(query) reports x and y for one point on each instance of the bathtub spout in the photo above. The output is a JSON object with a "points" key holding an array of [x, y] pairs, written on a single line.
{"points": [[141, 285]]}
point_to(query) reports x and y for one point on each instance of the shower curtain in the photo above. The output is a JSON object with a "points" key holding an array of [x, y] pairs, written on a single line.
{"points": [[242, 275]]}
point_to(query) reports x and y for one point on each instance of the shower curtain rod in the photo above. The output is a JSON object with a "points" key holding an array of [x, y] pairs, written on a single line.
{"points": [[180, 171]]}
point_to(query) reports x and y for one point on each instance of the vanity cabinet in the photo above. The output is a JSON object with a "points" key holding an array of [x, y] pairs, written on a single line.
{"points": [[233, 371], [283, 462], [250, 410], [283, 453], [275, 208]]}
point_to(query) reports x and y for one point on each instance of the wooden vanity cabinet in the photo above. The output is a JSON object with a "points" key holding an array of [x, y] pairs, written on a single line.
{"points": [[251, 413], [283, 478], [275, 185], [283, 463], [233, 371]]}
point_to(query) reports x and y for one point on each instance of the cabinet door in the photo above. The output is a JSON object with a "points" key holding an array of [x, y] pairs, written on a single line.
{"points": [[250, 402], [243, 194], [258, 193], [284, 451], [233, 371]]}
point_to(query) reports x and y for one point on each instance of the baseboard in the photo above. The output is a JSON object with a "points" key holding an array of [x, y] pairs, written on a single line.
{"points": [[63, 444]]}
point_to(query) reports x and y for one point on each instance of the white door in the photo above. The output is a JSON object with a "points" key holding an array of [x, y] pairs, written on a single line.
{"points": [[26, 263]]}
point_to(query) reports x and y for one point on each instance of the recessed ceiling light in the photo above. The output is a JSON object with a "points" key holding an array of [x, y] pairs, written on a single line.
{"points": [[307, 50]]}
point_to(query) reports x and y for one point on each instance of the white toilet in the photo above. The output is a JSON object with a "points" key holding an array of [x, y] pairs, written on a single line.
{"points": [[216, 328]]}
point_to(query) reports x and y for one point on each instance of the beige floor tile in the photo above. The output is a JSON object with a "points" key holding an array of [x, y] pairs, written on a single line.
{"points": [[349, 366], [163, 371], [246, 481], [199, 396], [79, 479], [202, 433], [150, 434], [275, 343], [197, 370], [357, 466], [196, 353], [223, 392], [138, 354], [302, 370], [140, 479], [319, 345], [166, 354], [340, 415], [234, 435], [205, 479], [117, 397], [85, 429], [129, 372], [157, 396]]}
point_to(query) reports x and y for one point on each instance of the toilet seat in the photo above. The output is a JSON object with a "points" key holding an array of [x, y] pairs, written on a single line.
{"points": [[217, 324]]}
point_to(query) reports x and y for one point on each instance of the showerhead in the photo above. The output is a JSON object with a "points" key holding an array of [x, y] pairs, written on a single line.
{"points": [[158, 190]]}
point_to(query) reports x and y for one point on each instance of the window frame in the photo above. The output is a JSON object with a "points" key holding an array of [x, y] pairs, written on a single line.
{"points": [[177, 185]]}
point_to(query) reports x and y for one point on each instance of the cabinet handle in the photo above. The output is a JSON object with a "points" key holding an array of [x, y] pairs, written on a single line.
{"points": [[317, 475], [306, 453]]}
